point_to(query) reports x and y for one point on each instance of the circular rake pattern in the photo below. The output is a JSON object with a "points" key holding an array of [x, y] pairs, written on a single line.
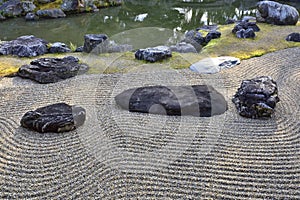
{"points": [[121, 155]]}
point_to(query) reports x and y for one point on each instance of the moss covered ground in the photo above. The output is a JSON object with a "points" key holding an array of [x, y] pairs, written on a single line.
{"points": [[270, 38]]}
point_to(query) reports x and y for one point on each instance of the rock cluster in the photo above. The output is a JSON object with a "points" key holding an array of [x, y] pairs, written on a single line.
{"points": [[256, 98], [245, 29], [13, 8], [275, 13], [195, 100], [153, 54], [50, 70], [55, 118]]}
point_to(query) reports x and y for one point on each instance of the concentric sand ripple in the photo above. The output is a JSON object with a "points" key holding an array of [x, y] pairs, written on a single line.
{"points": [[121, 155]]}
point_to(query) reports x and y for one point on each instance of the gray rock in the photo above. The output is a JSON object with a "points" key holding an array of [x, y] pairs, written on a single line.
{"points": [[195, 100], [56, 118], [249, 33], [245, 25], [256, 98], [212, 35], [153, 54], [183, 47], [196, 36], [50, 70], [294, 37], [31, 17], [59, 47], [11, 8], [24, 46], [248, 18], [230, 21], [240, 33], [109, 46], [45, 1], [91, 41], [275, 13], [69, 5], [214, 65], [50, 13], [27, 6]]}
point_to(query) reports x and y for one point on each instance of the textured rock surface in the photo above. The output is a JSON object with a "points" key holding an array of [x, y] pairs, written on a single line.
{"points": [[24, 46], [50, 70], [196, 100], [51, 13], [214, 65], [59, 47], [56, 118], [109, 46], [275, 13], [183, 47], [294, 37], [153, 54], [13, 8], [256, 98], [91, 41]]}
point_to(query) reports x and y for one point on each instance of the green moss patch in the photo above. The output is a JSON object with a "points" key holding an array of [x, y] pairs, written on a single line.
{"points": [[269, 39]]}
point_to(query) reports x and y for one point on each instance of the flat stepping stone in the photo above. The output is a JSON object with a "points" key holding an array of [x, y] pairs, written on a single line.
{"points": [[214, 65], [256, 98], [195, 100], [51, 70], [55, 118]]}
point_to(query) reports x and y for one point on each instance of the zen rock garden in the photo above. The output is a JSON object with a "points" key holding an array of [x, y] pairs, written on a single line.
{"points": [[255, 98]]}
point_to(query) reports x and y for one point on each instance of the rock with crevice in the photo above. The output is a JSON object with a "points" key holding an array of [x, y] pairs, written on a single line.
{"points": [[153, 54], [276, 13], [195, 100], [51, 70], [56, 118], [257, 98], [91, 41], [24, 46]]}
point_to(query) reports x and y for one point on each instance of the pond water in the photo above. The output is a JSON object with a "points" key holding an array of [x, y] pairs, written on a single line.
{"points": [[132, 17]]}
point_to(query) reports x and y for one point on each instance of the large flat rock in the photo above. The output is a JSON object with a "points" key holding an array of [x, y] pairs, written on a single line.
{"points": [[195, 100]]}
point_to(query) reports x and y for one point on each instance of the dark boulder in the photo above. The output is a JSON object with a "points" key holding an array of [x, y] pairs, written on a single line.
{"points": [[50, 13], [31, 17], [79, 49], [183, 47], [55, 118], [196, 36], [294, 37], [50, 70], [245, 29], [91, 41], [24, 46], [275, 13], [230, 21], [195, 100], [256, 98], [153, 54], [212, 35], [58, 47], [45, 1]]}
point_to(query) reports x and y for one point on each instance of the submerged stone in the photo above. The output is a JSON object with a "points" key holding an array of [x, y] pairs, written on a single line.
{"points": [[50, 70], [214, 65], [195, 100], [153, 54], [55, 118], [256, 98]]}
